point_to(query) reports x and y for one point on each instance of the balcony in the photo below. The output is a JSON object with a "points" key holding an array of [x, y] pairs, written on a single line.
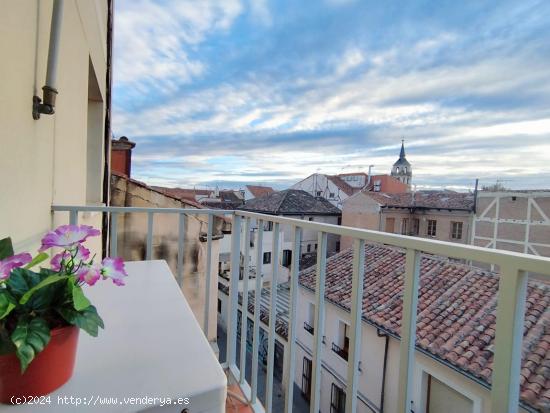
{"points": [[340, 351], [242, 353]]}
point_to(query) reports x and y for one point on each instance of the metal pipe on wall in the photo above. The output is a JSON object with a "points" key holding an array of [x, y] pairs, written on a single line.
{"points": [[46, 105]]}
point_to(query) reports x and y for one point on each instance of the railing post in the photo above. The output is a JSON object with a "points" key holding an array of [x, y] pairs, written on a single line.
{"points": [[319, 322], [272, 318], [210, 224], [114, 234], [508, 339], [181, 243], [244, 306], [291, 347], [408, 330], [257, 311], [149, 250], [234, 291], [356, 324], [73, 216]]}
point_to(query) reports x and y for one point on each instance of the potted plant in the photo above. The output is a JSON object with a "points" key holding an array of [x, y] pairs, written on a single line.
{"points": [[42, 310]]}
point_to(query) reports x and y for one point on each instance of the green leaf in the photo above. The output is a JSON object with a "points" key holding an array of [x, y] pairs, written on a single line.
{"points": [[80, 301], [7, 303], [52, 279], [6, 248], [37, 260], [29, 339], [21, 281], [87, 319]]}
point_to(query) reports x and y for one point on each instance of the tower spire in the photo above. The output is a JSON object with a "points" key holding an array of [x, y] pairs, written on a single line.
{"points": [[402, 153]]}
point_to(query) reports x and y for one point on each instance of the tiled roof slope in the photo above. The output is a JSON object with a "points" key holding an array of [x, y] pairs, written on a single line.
{"points": [[342, 185], [456, 320], [258, 190], [291, 202], [425, 199]]}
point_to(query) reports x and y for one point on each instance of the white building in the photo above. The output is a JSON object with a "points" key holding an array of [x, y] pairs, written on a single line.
{"points": [[455, 335]]}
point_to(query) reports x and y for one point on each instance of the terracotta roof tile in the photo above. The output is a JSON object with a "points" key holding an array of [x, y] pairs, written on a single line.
{"points": [[257, 190], [456, 320]]}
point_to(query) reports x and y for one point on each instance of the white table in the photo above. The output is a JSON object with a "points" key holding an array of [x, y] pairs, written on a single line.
{"points": [[152, 346]]}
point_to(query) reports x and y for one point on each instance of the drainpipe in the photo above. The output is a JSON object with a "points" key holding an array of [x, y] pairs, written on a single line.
{"points": [[46, 105], [387, 337]]}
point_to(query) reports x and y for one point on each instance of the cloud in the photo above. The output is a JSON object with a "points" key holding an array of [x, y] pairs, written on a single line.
{"points": [[323, 88]]}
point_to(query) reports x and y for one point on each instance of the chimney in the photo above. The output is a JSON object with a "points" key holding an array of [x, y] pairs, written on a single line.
{"points": [[121, 156]]}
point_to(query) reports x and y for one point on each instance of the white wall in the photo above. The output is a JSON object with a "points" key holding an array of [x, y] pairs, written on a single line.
{"points": [[372, 352], [320, 183], [47, 160]]}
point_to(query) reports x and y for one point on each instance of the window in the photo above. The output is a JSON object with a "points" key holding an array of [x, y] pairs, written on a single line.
{"points": [[287, 258], [432, 227], [390, 225], [308, 324], [416, 226], [342, 346], [308, 247], [267, 257], [315, 247], [339, 222], [306, 378], [337, 399], [268, 226], [377, 185], [310, 219], [337, 246], [404, 225], [331, 195], [219, 306], [318, 193], [456, 230]]}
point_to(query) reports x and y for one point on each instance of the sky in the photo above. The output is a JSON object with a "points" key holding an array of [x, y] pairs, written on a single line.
{"points": [[235, 92]]}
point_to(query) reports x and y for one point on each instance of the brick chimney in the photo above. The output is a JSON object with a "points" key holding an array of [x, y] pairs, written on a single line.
{"points": [[121, 155]]}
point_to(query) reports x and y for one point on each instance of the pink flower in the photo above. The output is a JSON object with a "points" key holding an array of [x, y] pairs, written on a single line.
{"points": [[113, 268], [89, 274], [82, 254], [67, 236], [8, 264]]}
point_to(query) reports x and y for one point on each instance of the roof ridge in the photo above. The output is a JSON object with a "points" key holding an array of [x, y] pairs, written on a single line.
{"points": [[277, 210]]}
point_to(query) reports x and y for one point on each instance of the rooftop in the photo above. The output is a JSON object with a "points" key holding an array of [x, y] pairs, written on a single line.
{"points": [[425, 199], [291, 202], [457, 307], [258, 190]]}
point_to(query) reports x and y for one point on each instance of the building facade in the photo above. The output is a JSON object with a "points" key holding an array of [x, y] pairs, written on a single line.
{"points": [[513, 220], [441, 215], [57, 158]]}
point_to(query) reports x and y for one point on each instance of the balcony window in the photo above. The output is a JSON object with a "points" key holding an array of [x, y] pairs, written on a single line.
{"points": [[337, 399], [390, 225], [432, 228], [268, 226], [306, 378], [416, 226], [342, 346], [404, 226], [287, 258], [308, 324], [267, 257], [456, 230]]}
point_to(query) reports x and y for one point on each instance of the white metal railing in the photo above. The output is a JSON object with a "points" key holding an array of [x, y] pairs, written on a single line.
{"points": [[510, 308]]}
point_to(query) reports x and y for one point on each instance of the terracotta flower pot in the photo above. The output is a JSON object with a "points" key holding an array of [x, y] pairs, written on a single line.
{"points": [[52, 368]]}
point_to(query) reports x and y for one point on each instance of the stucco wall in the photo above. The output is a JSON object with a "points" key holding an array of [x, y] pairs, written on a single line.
{"points": [[132, 235], [360, 211], [47, 160], [372, 352]]}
